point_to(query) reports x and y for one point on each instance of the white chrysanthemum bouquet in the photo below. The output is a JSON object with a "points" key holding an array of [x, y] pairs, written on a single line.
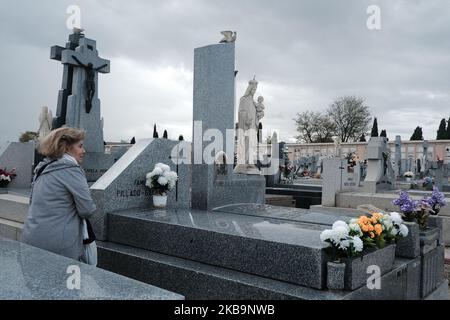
{"points": [[161, 179], [344, 239]]}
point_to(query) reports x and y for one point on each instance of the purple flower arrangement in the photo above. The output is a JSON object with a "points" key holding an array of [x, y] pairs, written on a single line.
{"points": [[407, 205], [412, 209], [436, 201]]}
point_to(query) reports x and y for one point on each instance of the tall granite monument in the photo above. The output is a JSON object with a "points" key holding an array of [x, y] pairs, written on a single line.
{"points": [[215, 184], [380, 174]]}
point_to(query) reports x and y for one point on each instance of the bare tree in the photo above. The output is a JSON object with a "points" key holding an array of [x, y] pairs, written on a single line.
{"points": [[314, 127], [351, 117]]}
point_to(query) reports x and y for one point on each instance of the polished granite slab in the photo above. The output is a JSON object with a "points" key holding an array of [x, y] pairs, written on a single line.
{"points": [[279, 249], [284, 213], [249, 226], [28, 273]]}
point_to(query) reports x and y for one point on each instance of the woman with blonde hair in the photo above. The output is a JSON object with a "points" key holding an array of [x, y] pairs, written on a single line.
{"points": [[60, 197]]}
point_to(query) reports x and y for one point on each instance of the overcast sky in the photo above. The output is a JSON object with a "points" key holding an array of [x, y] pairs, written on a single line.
{"points": [[304, 54]]}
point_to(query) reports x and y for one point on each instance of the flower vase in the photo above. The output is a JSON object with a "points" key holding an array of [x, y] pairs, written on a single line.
{"points": [[3, 183], [159, 201], [408, 179], [409, 246], [335, 275]]}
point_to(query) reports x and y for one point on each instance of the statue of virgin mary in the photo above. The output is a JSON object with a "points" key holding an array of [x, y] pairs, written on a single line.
{"points": [[247, 142]]}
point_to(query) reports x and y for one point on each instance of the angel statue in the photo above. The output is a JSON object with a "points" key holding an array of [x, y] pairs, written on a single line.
{"points": [[45, 122], [229, 36]]}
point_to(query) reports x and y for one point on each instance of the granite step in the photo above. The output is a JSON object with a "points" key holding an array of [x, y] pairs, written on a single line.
{"points": [[304, 186], [199, 281], [283, 250], [14, 207], [11, 230]]}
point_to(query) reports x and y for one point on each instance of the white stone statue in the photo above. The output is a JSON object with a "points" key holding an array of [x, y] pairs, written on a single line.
{"points": [[45, 123], [424, 164], [247, 132], [228, 36], [337, 147]]}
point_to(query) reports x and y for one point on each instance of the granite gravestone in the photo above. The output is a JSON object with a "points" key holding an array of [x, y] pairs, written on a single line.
{"points": [[425, 165], [20, 156], [123, 185], [332, 174], [78, 102], [398, 157], [213, 117], [380, 174], [410, 163], [441, 174], [274, 178], [338, 176]]}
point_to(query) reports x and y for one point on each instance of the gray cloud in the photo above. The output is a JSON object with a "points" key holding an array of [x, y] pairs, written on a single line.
{"points": [[304, 53]]}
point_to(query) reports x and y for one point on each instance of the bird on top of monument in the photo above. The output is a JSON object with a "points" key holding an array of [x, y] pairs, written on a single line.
{"points": [[228, 36], [77, 30]]}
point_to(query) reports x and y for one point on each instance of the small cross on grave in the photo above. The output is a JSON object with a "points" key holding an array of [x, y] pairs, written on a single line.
{"points": [[342, 168]]}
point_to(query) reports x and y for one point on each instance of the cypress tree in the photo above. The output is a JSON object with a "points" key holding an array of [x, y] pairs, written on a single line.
{"points": [[447, 136], [133, 140], [155, 133], [165, 134], [374, 132], [383, 133], [417, 134], [441, 133]]}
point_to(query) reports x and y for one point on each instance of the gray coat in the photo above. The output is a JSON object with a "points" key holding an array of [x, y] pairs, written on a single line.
{"points": [[60, 198]]}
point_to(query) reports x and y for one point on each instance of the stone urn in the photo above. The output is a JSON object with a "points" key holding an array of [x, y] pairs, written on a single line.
{"points": [[160, 201], [335, 275], [409, 246]]}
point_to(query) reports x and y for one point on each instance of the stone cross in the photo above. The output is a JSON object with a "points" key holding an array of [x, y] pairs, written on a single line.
{"points": [[83, 105], [67, 79]]}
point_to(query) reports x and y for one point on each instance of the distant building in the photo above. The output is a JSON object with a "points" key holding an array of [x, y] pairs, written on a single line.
{"points": [[437, 149]]}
